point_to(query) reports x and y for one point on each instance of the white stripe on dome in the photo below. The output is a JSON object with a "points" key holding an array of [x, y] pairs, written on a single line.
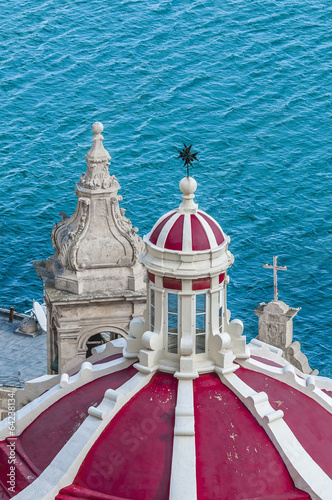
{"points": [[159, 221], [208, 231], [211, 219], [183, 475], [187, 236], [35, 408], [287, 375], [166, 229]]}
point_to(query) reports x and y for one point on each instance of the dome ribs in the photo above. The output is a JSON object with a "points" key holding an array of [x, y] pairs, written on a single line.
{"points": [[234, 456], [216, 230], [184, 464], [40, 442], [298, 406], [132, 457], [187, 232], [157, 230]]}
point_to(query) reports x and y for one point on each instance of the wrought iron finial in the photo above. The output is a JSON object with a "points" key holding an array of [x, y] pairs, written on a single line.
{"points": [[187, 156]]}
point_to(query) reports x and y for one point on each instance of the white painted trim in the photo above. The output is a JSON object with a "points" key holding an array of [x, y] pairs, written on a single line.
{"points": [[256, 344], [186, 234], [264, 350], [208, 231], [287, 374], [323, 382], [160, 220], [67, 384], [183, 476], [305, 472], [199, 211], [63, 469]]}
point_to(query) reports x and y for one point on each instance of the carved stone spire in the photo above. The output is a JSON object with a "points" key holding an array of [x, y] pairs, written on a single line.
{"points": [[97, 175], [97, 248]]}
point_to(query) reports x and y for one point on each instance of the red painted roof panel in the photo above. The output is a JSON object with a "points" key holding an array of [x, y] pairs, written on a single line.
{"points": [[132, 457], [175, 235], [200, 240], [234, 456], [310, 423]]}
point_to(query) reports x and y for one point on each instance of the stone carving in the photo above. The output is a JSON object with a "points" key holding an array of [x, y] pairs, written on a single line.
{"points": [[97, 175], [67, 233], [98, 237], [94, 280], [276, 323], [98, 178], [75, 238], [275, 327], [294, 355]]}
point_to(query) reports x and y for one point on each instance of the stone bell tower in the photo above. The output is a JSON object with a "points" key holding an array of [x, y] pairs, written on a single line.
{"points": [[94, 282]]}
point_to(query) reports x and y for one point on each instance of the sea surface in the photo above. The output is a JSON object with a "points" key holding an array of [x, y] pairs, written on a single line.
{"points": [[248, 83]]}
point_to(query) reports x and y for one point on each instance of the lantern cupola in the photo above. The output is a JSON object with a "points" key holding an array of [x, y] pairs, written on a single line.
{"points": [[187, 329]]}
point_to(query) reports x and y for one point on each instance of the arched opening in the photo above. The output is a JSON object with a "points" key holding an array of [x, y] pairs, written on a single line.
{"points": [[101, 337], [94, 341]]}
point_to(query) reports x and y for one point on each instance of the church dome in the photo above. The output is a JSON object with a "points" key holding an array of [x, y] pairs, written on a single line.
{"points": [[187, 241]]}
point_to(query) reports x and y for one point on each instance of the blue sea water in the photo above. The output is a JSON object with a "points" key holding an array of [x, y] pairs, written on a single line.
{"points": [[247, 82]]}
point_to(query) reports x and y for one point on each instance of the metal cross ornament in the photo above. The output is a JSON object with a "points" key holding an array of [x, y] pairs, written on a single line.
{"points": [[275, 268], [187, 156]]}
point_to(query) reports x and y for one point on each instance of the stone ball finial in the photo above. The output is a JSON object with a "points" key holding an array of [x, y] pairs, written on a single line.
{"points": [[97, 127], [188, 186]]}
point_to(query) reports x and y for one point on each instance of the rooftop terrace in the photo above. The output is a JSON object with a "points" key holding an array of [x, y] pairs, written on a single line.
{"points": [[22, 358]]}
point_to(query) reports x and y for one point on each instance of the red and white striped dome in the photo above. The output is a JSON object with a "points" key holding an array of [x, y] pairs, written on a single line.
{"points": [[187, 229], [187, 232]]}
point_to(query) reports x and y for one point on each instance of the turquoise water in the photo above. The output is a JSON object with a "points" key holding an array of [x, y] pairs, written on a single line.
{"points": [[248, 83]]}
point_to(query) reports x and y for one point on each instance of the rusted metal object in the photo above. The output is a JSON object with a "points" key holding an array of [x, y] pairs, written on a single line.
{"points": [[11, 314]]}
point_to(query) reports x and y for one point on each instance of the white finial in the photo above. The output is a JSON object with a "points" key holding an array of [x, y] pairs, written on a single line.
{"points": [[97, 127], [188, 186]]}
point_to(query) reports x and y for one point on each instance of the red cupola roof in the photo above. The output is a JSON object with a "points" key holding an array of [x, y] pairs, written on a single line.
{"points": [[187, 232], [187, 229]]}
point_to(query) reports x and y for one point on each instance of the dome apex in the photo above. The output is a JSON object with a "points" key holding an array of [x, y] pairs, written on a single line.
{"points": [[188, 186]]}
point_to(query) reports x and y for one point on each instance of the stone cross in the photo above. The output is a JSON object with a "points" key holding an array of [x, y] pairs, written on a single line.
{"points": [[275, 268]]}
